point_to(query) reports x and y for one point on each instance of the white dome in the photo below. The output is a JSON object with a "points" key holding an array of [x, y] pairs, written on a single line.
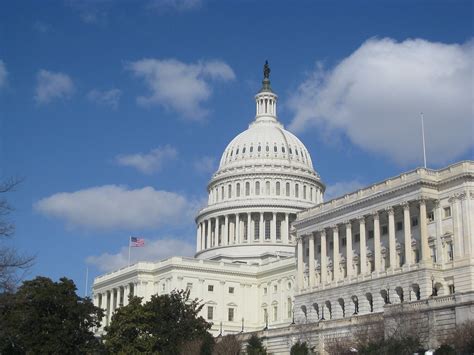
{"points": [[266, 142]]}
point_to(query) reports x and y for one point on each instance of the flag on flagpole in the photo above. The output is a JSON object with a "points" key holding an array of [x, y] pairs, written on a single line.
{"points": [[137, 242]]}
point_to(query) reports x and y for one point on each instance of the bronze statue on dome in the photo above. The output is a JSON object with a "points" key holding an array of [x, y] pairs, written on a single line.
{"points": [[266, 70]]}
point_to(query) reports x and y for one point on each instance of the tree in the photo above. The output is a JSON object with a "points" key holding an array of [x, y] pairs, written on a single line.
{"points": [[10, 261], [462, 338], [255, 346], [46, 317], [161, 325], [299, 349], [228, 345]]}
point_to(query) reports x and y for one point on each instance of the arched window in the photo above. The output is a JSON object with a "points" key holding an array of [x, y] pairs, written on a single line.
{"points": [[304, 192], [243, 150], [287, 189], [257, 188], [222, 192], [237, 152], [251, 149], [283, 149], [229, 195], [275, 149], [291, 152], [259, 149], [296, 151], [268, 148], [237, 188], [247, 188], [297, 190], [267, 188], [311, 194], [277, 188]]}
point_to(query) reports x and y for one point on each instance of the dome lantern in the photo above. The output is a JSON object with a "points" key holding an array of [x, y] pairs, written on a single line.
{"points": [[266, 99]]}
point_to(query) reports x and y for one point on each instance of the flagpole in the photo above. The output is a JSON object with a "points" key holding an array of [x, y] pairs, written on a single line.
{"points": [[87, 282], [129, 241], [423, 137]]}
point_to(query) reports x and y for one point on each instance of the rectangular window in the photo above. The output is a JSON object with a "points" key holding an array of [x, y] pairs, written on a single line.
{"points": [[307, 252], [230, 314], [267, 229], [319, 249], [414, 221], [267, 188], [451, 289], [384, 230], [277, 188], [210, 288], [431, 216], [371, 234], [275, 313], [399, 226], [256, 229], [447, 212], [265, 314], [289, 308], [230, 192], [265, 290], [297, 190], [287, 190], [238, 190], [344, 242], [246, 229], [210, 312], [357, 238], [304, 192], [278, 229], [257, 188], [433, 254], [231, 290], [275, 288]]}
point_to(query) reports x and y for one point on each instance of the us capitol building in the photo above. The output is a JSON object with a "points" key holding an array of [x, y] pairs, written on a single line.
{"points": [[272, 257]]}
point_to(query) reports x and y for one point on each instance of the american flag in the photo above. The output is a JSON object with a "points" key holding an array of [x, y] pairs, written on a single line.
{"points": [[137, 242]]}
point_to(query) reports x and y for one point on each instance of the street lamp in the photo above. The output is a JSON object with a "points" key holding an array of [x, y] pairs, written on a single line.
{"points": [[322, 312], [293, 311], [242, 330]]}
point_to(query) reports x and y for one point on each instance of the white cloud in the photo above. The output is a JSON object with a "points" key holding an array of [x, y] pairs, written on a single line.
{"points": [[205, 165], [3, 74], [179, 5], [109, 98], [341, 188], [179, 86], [51, 86], [375, 97], [111, 207], [153, 250], [148, 162]]}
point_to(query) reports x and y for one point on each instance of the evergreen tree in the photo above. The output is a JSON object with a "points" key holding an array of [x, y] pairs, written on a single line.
{"points": [[255, 346]]}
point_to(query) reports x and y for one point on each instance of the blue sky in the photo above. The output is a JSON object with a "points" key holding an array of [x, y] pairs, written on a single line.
{"points": [[116, 112]]}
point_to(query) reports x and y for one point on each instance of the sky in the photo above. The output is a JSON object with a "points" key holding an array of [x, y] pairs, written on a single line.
{"points": [[115, 113]]}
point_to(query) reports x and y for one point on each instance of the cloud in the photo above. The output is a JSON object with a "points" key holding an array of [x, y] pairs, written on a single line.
{"points": [[375, 97], [109, 98], [3, 74], [154, 250], [178, 5], [341, 188], [112, 207], [149, 162], [179, 86], [205, 165], [51, 86]]}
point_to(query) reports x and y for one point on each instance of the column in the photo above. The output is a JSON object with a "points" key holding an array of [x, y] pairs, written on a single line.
{"points": [[391, 237], [300, 269], [198, 238], [286, 230], [363, 246], [456, 216], [439, 232], [377, 255], [112, 304], [216, 231], [324, 271], [225, 235], [311, 261], [273, 229], [249, 228], [262, 227], [126, 291], [335, 258], [349, 267], [407, 233], [208, 236], [466, 223], [425, 249], [238, 238]]}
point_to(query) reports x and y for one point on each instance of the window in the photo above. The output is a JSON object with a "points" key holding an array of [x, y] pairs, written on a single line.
{"points": [[189, 286], [267, 187], [267, 229], [237, 152], [277, 188], [275, 313], [431, 216], [257, 188], [259, 149], [275, 149], [256, 229], [399, 226], [265, 314], [304, 192], [265, 290], [278, 229], [247, 188], [237, 190], [357, 237], [268, 148], [231, 290], [210, 288], [451, 289], [450, 251], [343, 242], [433, 254], [289, 307], [307, 252], [163, 287], [297, 192], [384, 230], [230, 314], [230, 191], [222, 192], [447, 212], [283, 149], [275, 288], [210, 312], [371, 234], [246, 229], [287, 188], [319, 248], [251, 149], [414, 221], [243, 150]]}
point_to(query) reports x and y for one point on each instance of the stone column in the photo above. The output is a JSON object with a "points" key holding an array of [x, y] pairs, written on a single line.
{"points": [[126, 292], [262, 227], [407, 233], [249, 227], [311, 261], [377, 255], [225, 235], [391, 238], [335, 258], [466, 223], [273, 228], [300, 266], [198, 238], [456, 217], [216, 231], [363, 246], [286, 230], [238, 236], [349, 267], [439, 231], [425, 248], [324, 271], [112, 304]]}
